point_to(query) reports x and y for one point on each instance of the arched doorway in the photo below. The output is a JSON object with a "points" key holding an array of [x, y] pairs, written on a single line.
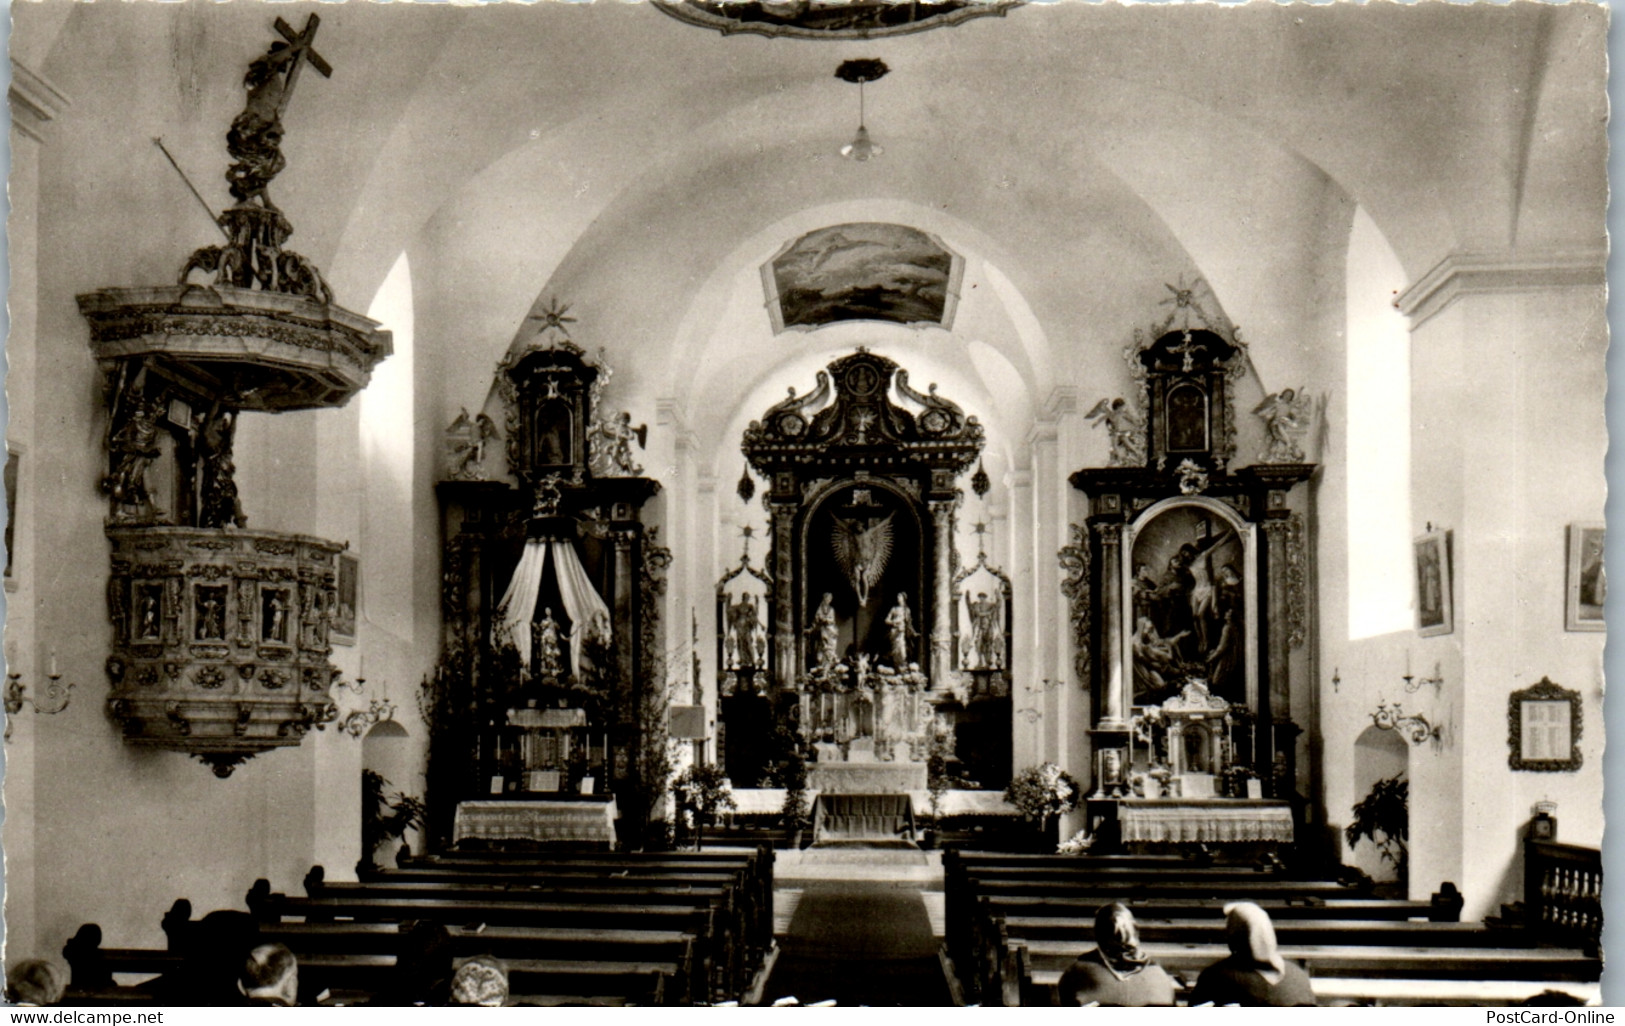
{"points": [[1379, 755], [388, 771]]}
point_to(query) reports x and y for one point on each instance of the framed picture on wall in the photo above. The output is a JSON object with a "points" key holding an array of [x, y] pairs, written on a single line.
{"points": [[1434, 614], [1587, 579], [342, 629]]}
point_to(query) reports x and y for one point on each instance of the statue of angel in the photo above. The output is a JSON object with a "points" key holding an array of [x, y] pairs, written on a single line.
{"points": [[1286, 415], [611, 446], [465, 445], [1126, 429], [862, 552]]}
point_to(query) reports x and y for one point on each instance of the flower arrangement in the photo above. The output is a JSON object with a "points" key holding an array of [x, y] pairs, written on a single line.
{"points": [[701, 792], [1039, 792], [1077, 844]]}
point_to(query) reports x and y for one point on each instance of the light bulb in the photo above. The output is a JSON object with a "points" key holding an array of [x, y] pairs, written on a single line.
{"points": [[861, 148]]}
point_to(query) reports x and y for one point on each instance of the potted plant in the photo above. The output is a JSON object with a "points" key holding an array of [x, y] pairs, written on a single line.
{"points": [[384, 818], [937, 782], [1383, 817], [1041, 793], [702, 792]]}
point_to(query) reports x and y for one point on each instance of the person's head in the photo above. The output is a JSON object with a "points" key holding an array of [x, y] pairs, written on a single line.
{"points": [[1118, 939], [35, 981], [1251, 935], [1142, 573], [481, 981], [270, 974]]}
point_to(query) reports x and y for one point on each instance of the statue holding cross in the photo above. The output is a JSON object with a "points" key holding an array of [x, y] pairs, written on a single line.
{"points": [[255, 139]]}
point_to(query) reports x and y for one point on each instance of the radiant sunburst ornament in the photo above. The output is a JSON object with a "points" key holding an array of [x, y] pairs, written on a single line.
{"points": [[553, 318], [860, 71]]}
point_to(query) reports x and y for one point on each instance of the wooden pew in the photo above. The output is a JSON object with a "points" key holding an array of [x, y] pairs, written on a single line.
{"points": [[715, 955], [755, 900], [756, 864], [1035, 968], [357, 960]]}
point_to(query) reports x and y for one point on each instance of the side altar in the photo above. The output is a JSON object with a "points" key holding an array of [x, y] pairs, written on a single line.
{"points": [[1189, 600]]}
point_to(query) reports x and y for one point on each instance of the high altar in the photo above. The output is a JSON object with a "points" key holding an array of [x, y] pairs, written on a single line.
{"points": [[857, 654]]}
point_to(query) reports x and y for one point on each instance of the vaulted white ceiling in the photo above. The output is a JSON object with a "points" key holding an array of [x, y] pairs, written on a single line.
{"points": [[1080, 156]]}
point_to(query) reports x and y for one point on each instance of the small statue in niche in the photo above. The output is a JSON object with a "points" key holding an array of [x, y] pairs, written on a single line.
{"points": [[1286, 415], [901, 624], [744, 617], [610, 444], [827, 634], [465, 445], [984, 632], [549, 664], [1124, 427], [276, 617]]}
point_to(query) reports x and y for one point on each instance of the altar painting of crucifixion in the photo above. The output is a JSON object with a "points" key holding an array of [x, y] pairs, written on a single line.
{"points": [[1188, 599]]}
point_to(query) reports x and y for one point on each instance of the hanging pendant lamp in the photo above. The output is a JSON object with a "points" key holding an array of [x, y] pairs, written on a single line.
{"points": [[860, 71]]}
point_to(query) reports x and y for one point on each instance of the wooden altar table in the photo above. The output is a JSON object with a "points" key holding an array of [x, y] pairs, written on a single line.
{"points": [[536, 821]]}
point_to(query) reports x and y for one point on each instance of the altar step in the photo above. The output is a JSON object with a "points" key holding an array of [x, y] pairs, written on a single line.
{"points": [[896, 865]]}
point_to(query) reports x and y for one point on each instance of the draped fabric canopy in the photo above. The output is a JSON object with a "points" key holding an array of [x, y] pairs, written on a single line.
{"points": [[587, 612]]}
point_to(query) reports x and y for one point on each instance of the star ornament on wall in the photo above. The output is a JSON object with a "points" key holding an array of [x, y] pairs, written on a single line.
{"points": [[553, 317]]}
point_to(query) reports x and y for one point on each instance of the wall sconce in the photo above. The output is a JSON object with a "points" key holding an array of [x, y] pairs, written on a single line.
{"points": [[1414, 684], [1415, 729], [57, 696], [357, 722]]}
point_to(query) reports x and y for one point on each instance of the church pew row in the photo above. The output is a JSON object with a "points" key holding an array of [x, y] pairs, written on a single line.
{"points": [[981, 958], [1363, 975], [739, 925], [963, 893], [755, 863], [748, 873], [547, 964], [716, 956]]}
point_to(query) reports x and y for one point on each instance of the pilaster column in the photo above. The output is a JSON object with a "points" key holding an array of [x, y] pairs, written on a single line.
{"points": [[1110, 534], [942, 599], [786, 654]]}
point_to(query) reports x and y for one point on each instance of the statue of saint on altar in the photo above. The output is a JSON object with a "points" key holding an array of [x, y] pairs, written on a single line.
{"points": [[549, 665], [901, 624], [827, 634]]}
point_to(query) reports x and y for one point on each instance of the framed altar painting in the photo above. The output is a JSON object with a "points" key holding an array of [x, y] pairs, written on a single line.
{"points": [[1434, 614], [1587, 578], [342, 629]]}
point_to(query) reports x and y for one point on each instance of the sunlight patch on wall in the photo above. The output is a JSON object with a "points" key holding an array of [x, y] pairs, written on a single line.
{"points": [[1378, 439], [386, 403], [386, 455]]}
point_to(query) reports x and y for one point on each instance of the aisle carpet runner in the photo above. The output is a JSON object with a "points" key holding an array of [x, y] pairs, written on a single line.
{"points": [[859, 943]]}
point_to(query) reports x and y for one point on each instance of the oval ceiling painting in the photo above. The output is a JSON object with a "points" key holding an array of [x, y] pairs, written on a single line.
{"points": [[830, 19], [863, 272]]}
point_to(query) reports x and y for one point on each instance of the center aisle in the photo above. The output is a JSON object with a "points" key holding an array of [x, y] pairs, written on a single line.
{"points": [[859, 941]]}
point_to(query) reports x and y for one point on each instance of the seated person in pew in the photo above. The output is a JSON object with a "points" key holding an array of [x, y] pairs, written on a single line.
{"points": [[1255, 973], [35, 981], [481, 981], [270, 976], [423, 967], [212, 957], [1116, 972]]}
